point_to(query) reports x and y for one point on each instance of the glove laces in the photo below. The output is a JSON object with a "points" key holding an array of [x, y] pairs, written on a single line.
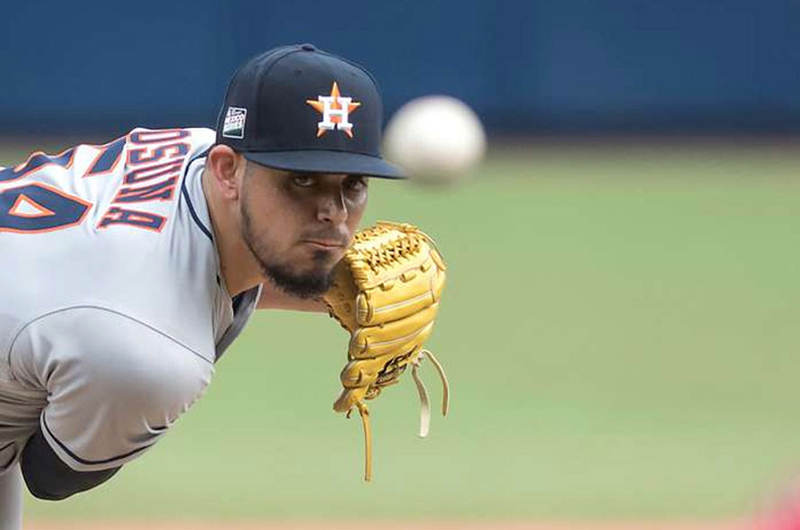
{"points": [[425, 409]]}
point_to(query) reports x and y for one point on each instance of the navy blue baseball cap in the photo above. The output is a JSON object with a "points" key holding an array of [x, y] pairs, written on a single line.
{"points": [[300, 109]]}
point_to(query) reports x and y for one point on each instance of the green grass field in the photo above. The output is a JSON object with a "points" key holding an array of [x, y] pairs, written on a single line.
{"points": [[620, 330]]}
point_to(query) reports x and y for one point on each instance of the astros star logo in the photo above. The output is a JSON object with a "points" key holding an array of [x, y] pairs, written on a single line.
{"points": [[335, 111]]}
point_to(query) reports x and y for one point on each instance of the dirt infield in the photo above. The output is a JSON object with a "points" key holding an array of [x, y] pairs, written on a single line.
{"points": [[555, 525]]}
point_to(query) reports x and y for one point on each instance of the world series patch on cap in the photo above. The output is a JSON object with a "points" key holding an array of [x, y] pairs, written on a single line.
{"points": [[234, 123], [297, 108]]}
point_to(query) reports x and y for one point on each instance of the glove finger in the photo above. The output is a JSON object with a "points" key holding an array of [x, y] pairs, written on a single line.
{"points": [[377, 370], [420, 287], [376, 341], [348, 398], [360, 373]]}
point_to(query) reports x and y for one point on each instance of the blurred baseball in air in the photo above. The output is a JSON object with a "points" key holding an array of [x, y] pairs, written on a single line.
{"points": [[436, 139]]}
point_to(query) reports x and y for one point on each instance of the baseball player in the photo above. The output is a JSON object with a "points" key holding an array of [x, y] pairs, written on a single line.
{"points": [[130, 267]]}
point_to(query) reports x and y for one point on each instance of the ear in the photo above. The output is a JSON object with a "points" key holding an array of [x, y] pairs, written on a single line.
{"points": [[227, 168]]}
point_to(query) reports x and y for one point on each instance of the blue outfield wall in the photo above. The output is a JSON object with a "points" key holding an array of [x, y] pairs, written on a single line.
{"points": [[543, 66]]}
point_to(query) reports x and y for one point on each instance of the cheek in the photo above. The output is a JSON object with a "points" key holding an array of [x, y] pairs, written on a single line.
{"points": [[271, 203], [264, 222], [355, 211], [274, 229]]}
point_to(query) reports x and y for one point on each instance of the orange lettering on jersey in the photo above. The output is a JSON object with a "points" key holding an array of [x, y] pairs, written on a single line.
{"points": [[152, 171], [139, 219], [159, 136], [153, 154], [154, 158], [160, 191]]}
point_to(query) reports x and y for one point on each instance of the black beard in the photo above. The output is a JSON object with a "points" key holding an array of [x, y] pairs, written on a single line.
{"points": [[308, 285], [304, 285]]}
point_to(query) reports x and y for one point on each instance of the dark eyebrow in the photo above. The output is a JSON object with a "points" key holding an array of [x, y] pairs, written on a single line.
{"points": [[309, 174], [321, 175]]}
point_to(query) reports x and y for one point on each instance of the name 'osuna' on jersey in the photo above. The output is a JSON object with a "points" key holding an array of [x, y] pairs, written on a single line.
{"points": [[110, 264]]}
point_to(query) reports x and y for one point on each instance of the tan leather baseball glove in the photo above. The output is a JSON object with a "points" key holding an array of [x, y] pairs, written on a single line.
{"points": [[386, 294]]}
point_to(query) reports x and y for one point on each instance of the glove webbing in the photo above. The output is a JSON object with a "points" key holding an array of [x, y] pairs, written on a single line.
{"points": [[390, 250]]}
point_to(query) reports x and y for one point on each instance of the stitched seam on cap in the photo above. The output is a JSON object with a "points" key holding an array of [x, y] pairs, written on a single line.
{"points": [[364, 70]]}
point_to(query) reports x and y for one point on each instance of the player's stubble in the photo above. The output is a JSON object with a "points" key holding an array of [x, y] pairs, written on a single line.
{"points": [[310, 284]]}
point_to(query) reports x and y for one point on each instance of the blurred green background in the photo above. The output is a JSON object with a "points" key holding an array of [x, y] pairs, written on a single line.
{"points": [[619, 330]]}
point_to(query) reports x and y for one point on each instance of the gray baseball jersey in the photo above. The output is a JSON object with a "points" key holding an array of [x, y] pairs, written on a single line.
{"points": [[112, 307]]}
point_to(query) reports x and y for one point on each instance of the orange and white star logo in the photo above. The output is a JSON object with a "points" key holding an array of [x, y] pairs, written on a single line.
{"points": [[335, 111]]}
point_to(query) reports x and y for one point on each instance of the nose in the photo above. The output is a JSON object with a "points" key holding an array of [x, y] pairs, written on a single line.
{"points": [[332, 208]]}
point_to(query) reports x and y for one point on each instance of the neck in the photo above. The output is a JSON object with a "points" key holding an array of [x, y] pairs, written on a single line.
{"points": [[238, 266]]}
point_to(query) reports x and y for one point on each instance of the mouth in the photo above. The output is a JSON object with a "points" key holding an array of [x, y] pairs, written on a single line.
{"points": [[324, 244]]}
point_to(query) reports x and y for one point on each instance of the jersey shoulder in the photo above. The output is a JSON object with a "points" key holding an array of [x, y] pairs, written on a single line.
{"points": [[122, 225], [100, 184]]}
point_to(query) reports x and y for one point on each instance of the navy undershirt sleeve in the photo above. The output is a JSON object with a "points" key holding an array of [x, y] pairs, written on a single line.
{"points": [[48, 478]]}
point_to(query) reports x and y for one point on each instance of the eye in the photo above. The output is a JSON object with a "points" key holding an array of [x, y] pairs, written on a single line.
{"points": [[303, 181], [355, 183]]}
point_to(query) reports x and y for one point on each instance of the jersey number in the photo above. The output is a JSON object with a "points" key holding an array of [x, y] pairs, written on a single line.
{"points": [[38, 207]]}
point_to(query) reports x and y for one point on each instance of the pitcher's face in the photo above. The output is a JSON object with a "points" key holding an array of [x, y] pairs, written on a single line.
{"points": [[298, 225]]}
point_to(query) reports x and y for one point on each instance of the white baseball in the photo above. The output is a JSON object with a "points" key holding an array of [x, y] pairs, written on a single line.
{"points": [[436, 139]]}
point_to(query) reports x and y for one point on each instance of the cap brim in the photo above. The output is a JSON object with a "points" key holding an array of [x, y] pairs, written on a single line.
{"points": [[327, 162]]}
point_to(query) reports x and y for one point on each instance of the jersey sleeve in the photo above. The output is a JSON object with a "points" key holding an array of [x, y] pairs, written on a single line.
{"points": [[115, 385]]}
